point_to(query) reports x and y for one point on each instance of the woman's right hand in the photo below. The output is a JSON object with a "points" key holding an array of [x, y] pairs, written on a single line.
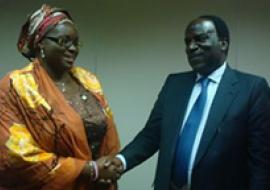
{"points": [[107, 172]]}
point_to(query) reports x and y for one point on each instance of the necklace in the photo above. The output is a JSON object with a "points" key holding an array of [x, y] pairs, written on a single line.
{"points": [[62, 86], [83, 97], [80, 97], [82, 94]]}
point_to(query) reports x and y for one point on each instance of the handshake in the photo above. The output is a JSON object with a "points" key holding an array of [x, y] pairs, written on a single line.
{"points": [[105, 170]]}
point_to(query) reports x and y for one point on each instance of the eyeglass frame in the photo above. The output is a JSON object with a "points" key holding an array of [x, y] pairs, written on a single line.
{"points": [[65, 42]]}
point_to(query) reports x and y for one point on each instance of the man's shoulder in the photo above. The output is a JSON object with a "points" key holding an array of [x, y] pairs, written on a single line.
{"points": [[182, 75], [246, 76], [180, 79], [249, 81]]}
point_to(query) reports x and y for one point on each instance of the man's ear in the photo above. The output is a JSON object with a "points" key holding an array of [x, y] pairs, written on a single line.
{"points": [[224, 45]]}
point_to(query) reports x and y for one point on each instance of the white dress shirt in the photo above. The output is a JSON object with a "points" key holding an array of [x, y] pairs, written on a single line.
{"points": [[214, 78]]}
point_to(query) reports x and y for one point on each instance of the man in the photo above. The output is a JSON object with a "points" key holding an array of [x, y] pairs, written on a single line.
{"points": [[212, 135]]}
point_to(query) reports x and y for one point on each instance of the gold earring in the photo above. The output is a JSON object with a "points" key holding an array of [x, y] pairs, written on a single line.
{"points": [[42, 54]]}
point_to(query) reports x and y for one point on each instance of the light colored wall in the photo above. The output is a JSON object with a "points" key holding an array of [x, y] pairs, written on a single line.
{"points": [[133, 45]]}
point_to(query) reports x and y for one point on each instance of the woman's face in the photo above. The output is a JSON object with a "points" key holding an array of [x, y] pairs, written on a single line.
{"points": [[61, 46]]}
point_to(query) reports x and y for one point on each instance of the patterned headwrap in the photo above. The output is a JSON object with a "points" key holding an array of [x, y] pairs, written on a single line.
{"points": [[37, 26]]}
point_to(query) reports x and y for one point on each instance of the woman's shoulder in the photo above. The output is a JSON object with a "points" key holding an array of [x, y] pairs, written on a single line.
{"points": [[6, 81], [84, 74], [87, 79], [77, 70]]}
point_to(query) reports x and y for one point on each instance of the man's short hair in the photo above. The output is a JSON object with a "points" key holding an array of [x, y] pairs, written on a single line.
{"points": [[220, 25]]}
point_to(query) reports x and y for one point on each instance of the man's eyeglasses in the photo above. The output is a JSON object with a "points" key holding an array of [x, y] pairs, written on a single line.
{"points": [[64, 42]]}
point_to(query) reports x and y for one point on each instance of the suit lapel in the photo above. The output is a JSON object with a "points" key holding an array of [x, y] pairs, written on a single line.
{"points": [[181, 97], [178, 93], [223, 98]]}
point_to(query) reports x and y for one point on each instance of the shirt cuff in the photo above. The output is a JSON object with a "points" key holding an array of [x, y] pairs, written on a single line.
{"points": [[123, 160]]}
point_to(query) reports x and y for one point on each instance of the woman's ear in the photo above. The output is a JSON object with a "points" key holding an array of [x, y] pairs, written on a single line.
{"points": [[40, 50], [40, 45]]}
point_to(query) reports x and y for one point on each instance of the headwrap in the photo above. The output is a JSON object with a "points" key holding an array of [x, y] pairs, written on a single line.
{"points": [[37, 26]]}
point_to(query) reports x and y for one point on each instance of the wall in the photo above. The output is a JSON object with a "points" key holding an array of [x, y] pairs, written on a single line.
{"points": [[133, 45]]}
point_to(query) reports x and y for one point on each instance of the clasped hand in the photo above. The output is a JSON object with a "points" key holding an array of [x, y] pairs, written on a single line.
{"points": [[110, 169]]}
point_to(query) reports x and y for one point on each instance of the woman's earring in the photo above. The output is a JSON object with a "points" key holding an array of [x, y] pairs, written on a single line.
{"points": [[42, 54]]}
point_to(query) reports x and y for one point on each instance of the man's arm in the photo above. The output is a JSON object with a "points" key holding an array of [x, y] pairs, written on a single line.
{"points": [[145, 144], [259, 137]]}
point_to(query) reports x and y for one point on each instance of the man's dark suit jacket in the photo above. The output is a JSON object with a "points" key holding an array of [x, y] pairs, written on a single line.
{"points": [[234, 151]]}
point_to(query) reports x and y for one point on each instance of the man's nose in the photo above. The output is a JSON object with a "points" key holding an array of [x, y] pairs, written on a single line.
{"points": [[192, 46]]}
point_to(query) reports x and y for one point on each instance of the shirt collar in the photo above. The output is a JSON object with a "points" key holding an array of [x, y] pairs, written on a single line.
{"points": [[216, 75]]}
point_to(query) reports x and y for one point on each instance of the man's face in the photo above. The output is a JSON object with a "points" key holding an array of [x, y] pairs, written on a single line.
{"points": [[203, 47]]}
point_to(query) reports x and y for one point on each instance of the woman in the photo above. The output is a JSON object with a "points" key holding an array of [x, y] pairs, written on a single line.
{"points": [[55, 124]]}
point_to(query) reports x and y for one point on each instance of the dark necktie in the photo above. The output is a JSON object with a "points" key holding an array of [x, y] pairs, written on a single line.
{"points": [[187, 137]]}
